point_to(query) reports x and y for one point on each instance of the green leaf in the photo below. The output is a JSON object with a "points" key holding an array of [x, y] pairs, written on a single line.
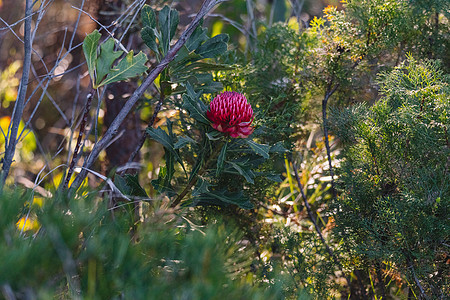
{"points": [[149, 37], [278, 148], [221, 159], [148, 16], [201, 187], [129, 185], [135, 188], [178, 62], [164, 139], [168, 22], [196, 108], [122, 185], [198, 165], [273, 177], [214, 135], [196, 38], [90, 45], [247, 173], [162, 184], [223, 198], [206, 67], [183, 141], [128, 67], [170, 166], [106, 59], [259, 149], [214, 46]]}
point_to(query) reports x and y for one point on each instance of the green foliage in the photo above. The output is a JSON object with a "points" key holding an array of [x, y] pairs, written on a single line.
{"points": [[80, 250], [99, 66], [394, 176], [273, 80]]}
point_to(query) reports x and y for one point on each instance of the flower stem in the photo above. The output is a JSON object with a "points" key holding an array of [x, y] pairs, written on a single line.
{"points": [[193, 180]]}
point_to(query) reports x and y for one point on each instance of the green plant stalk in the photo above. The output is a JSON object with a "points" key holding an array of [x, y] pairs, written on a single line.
{"points": [[193, 181], [291, 182]]}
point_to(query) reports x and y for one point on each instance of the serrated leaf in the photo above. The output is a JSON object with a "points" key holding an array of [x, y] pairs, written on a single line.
{"points": [[149, 37], [162, 185], [90, 45], [122, 185], [196, 108], [135, 187], [201, 187], [196, 38], [223, 198], [170, 166], [168, 22], [247, 173], [106, 59], [214, 46], [274, 177], [148, 16], [259, 149], [278, 148], [179, 63], [205, 67], [183, 141], [221, 159], [128, 67], [198, 165], [164, 139]]}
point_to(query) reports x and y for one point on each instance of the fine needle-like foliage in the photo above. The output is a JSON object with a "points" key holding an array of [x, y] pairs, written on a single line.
{"points": [[395, 181]]}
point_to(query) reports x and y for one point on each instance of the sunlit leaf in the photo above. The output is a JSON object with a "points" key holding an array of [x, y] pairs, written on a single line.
{"points": [[149, 37], [168, 22], [106, 59], [148, 16], [90, 45], [128, 67]]}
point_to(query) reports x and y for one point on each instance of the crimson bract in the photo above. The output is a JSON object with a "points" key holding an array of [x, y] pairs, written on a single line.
{"points": [[231, 114]]}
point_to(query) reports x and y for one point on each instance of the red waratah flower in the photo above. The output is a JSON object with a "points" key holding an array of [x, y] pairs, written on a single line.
{"points": [[230, 113]]}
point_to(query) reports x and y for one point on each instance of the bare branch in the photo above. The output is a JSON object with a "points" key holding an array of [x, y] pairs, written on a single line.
{"points": [[150, 125], [10, 146], [313, 220]]}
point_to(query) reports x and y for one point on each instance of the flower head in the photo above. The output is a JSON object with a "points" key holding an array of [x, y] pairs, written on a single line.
{"points": [[230, 113]]}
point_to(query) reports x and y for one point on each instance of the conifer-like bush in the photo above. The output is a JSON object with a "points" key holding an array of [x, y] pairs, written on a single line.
{"points": [[394, 179]]}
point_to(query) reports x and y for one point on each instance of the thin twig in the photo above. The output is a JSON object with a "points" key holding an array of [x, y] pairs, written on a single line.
{"points": [[10, 147], [423, 295], [150, 125], [313, 220], [8, 292], [112, 130], [87, 108]]}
